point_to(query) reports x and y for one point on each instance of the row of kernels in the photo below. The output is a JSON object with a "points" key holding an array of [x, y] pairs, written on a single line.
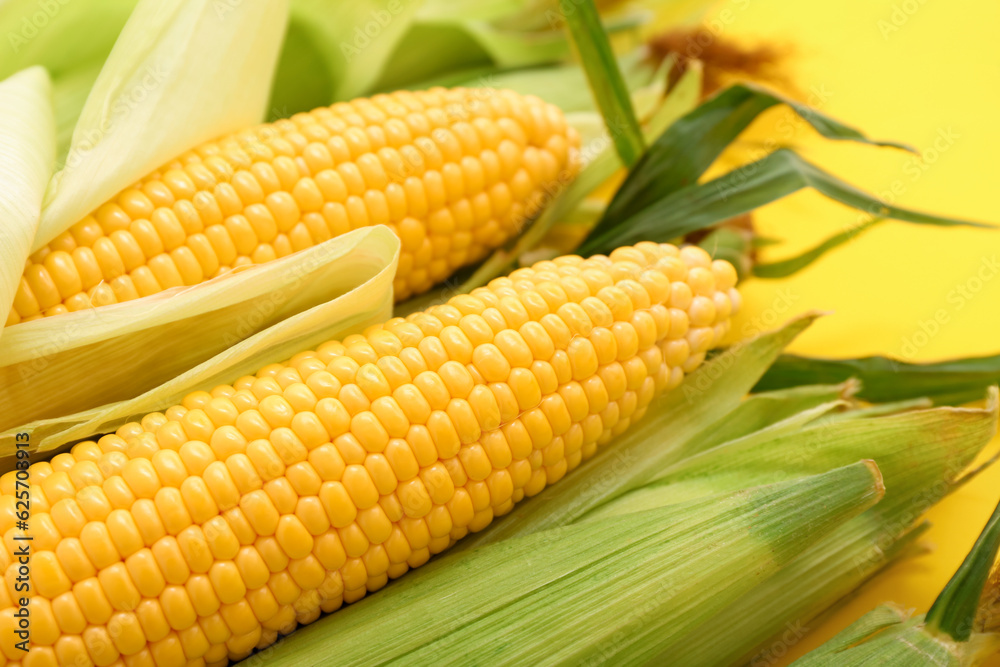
{"points": [[219, 207], [449, 493]]}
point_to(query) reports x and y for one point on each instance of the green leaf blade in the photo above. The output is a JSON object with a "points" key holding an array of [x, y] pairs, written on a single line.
{"points": [[954, 611], [605, 78], [682, 154], [884, 379], [740, 191]]}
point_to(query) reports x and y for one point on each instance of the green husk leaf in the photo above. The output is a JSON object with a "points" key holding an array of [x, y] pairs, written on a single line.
{"points": [[954, 611], [882, 409], [899, 645], [605, 79], [777, 614], [886, 620], [942, 439], [139, 114], [902, 644], [704, 474], [919, 470], [670, 431], [204, 334], [764, 409], [778, 175], [71, 40], [27, 153], [793, 265], [354, 39], [531, 600], [884, 379], [870, 624], [682, 154]]}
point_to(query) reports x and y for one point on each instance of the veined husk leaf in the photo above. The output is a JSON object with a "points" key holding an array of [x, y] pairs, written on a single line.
{"points": [[937, 439], [765, 623], [701, 205], [893, 637], [888, 636], [759, 411], [344, 281], [960, 629], [920, 468], [27, 154], [181, 73], [556, 597], [694, 477], [881, 409], [670, 431]]}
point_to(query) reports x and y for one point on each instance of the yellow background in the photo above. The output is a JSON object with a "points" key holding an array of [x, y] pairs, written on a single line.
{"points": [[936, 74]]}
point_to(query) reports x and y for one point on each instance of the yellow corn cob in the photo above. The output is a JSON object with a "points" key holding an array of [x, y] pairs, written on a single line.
{"points": [[202, 532], [453, 172]]}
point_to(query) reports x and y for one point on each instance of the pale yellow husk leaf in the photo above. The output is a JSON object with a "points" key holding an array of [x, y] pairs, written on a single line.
{"points": [[181, 73], [27, 153], [76, 362]]}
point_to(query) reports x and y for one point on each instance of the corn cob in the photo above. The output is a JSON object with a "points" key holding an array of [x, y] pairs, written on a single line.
{"points": [[200, 533], [453, 172]]}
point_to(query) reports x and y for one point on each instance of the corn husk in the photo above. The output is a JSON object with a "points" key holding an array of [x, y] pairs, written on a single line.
{"points": [[207, 335], [672, 430], [332, 50], [948, 382], [670, 467], [527, 588], [27, 153], [960, 629], [569, 595], [895, 637], [140, 114], [923, 455]]}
